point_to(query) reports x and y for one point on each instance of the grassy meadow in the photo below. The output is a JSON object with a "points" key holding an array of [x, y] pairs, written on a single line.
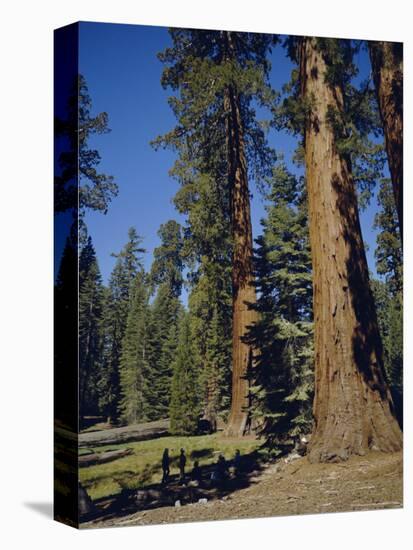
{"points": [[143, 466]]}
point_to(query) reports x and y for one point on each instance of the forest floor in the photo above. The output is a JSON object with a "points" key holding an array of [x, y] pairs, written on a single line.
{"points": [[372, 482]]}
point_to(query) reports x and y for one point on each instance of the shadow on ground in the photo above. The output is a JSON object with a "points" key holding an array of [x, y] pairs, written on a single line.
{"points": [[157, 495]]}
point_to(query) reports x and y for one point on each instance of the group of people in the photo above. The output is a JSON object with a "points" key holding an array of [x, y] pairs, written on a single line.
{"points": [[219, 473]]}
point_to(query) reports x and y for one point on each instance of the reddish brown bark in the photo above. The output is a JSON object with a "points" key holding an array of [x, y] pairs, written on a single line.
{"points": [[353, 409], [387, 65], [243, 293]]}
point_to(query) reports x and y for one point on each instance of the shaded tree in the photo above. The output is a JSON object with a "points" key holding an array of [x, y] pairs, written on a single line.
{"points": [[184, 405], [389, 294], [163, 328], [90, 329], [387, 66], [78, 185], [282, 380]]}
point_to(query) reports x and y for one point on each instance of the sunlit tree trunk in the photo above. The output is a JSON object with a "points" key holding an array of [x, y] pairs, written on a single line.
{"points": [[387, 65], [243, 293], [353, 409]]}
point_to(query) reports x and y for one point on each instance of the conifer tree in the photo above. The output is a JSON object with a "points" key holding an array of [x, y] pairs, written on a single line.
{"points": [[209, 310], [387, 67], [389, 256], [133, 362], [167, 265], [389, 294], [117, 301], [90, 329], [282, 381], [184, 405], [79, 185], [207, 252], [66, 344], [217, 75], [166, 276], [353, 408], [163, 329]]}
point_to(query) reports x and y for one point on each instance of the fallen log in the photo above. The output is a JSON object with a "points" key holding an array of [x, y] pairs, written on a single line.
{"points": [[115, 436], [100, 458]]}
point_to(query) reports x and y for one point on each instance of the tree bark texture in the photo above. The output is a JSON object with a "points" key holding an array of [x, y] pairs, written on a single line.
{"points": [[387, 66], [353, 409], [243, 292]]}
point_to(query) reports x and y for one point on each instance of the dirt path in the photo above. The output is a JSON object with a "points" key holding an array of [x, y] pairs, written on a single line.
{"points": [[363, 483]]}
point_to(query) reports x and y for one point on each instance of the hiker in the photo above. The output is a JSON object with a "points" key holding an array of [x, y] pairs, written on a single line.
{"points": [[220, 473], [237, 463], [165, 466], [182, 462], [196, 474]]}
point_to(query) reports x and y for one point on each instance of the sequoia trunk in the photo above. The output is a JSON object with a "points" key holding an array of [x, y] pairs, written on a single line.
{"points": [[353, 409], [387, 65], [243, 292]]}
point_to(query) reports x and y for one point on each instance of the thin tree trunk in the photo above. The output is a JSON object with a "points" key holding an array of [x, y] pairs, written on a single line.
{"points": [[243, 292], [387, 66], [353, 409]]}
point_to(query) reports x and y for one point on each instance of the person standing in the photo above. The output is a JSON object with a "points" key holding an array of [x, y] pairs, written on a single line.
{"points": [[165, 466], [182, 463]]}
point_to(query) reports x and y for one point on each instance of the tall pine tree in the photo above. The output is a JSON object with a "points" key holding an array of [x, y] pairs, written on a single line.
{"points": [[133, 366], [389, 294], [184, 405], [282, 380], [128, 265], [90, 329]]}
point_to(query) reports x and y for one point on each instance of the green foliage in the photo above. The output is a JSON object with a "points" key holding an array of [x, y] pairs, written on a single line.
{"points": [[389, 257], [143, 466], [282, 377], [184, 404], [117, 302], [200, 68], [162, 336], [356, 127], [211, 330], [79, 186], [96, 190], [167, 265], [134, 367], [90, 328], [389, 293], [390, 318]]}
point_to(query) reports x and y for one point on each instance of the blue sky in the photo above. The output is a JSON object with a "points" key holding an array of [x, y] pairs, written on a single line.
{"points": [[123, 75]]}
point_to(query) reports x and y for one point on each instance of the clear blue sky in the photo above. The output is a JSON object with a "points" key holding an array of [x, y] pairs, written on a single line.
{"points": [[123, 74]]}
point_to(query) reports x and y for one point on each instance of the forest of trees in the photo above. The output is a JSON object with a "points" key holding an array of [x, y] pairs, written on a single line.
{"points": [[285, 335]]}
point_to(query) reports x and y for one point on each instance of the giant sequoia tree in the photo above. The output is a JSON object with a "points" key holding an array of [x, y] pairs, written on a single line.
{"points": [[217, 75], [353, 408], [387, 64]]}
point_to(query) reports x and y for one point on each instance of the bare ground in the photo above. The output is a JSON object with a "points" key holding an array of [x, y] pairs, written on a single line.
{"points": [[372, 482]]}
